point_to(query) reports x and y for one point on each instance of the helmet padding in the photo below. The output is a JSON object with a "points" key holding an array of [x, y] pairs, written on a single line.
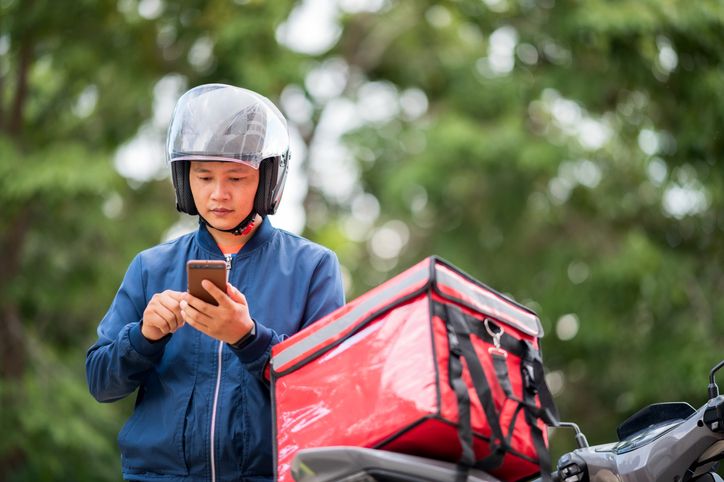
{"points": [[184, 198]]}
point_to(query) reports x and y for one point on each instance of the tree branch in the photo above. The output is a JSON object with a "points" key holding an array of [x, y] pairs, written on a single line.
{"points": [[2, 96], [12, 333], [21, 92]]}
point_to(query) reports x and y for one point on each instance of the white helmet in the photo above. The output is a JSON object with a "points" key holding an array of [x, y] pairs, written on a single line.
{"points": [[218, 122]]}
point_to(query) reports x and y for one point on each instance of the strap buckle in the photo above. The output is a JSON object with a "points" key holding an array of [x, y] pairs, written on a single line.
{"points": [[495, 335], [529, 381]]}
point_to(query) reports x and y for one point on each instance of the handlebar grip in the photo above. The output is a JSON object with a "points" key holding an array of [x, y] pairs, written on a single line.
{"points": [[714, 417], [571, 467]]}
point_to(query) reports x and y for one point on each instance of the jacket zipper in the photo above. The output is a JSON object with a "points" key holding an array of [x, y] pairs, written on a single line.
{"points": [[220, 353]]}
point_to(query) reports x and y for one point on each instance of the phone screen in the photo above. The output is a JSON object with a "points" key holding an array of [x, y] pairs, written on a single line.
{"points": [[199, 270]]}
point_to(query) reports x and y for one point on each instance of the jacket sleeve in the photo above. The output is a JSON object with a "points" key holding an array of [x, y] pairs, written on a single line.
{"points": [[119, 361], [325, 295]]}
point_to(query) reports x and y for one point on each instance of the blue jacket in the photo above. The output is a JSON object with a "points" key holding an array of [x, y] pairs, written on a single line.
{"points": [[194, 392]]}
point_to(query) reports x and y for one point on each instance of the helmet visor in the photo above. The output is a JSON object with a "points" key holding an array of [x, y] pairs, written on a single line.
{"points": [[217, 122]]}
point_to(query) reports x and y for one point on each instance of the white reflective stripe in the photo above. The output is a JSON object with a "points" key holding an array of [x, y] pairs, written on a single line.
{"points": [[213, 411], [378, 300], [487, 300]]}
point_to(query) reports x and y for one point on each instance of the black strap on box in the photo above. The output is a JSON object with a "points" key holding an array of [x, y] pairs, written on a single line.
{"points": [[534, 383], [461, 347], [465, 430], [460, 326]]}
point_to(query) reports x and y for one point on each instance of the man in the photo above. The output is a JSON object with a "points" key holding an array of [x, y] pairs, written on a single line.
{"points": [[203, 410]]}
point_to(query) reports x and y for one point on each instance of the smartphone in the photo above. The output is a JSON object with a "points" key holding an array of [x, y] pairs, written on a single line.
{"points": [[198, 270]]}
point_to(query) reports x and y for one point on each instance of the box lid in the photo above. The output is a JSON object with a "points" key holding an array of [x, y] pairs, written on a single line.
{"points": [[432, 273]]}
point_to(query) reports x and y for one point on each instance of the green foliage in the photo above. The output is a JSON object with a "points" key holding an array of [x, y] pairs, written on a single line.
{"points": [[62, 436], [567, 153]]}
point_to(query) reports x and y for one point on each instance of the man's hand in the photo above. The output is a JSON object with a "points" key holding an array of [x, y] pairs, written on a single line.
{"points": [[228, 321], [162, 315]]}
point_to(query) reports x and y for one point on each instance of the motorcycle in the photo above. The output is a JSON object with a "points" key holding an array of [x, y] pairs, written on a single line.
{"points": [[664, 442]]}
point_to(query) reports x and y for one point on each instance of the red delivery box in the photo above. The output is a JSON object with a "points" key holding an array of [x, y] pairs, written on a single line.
{"points": [[431, 363]]}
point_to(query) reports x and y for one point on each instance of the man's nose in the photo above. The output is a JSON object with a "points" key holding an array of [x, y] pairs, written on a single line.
{"points": [[220, 191]]}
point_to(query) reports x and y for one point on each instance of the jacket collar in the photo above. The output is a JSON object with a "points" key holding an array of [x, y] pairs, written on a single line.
{"points": [[262, 234]]}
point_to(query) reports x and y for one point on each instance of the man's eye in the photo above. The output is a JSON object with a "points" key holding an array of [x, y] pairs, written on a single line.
{"points": [[234, 179], [204, 178]]}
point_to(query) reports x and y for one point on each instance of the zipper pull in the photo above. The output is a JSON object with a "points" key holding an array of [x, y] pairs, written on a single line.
{"points": [[228, 263]]}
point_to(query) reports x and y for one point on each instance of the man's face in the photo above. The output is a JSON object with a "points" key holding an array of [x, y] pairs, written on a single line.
{"points": [[223, 191]]}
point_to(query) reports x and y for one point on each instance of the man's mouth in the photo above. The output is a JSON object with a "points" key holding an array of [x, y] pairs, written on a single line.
{"points": [[221, 211]]}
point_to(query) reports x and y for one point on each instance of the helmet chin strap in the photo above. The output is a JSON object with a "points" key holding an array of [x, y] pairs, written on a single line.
{"points": [[241, 229]]}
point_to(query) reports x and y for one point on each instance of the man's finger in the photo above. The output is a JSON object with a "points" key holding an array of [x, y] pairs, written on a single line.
{"points": [[235, 294], [197, 303], [191, 317], [159, 323], [168, 316], [192, 314], [172, 305], [198, 325], [214, 291], [177, 295]]}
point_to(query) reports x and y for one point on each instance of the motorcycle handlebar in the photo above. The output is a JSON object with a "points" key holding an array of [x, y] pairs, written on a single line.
{"points": [[653, 451]]}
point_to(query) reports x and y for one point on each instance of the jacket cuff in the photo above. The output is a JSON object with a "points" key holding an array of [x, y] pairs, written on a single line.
{"points": [[256, 347], [143, 346]]}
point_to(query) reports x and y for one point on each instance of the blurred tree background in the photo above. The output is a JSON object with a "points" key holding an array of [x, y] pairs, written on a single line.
{"points": [[568, 153]]}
